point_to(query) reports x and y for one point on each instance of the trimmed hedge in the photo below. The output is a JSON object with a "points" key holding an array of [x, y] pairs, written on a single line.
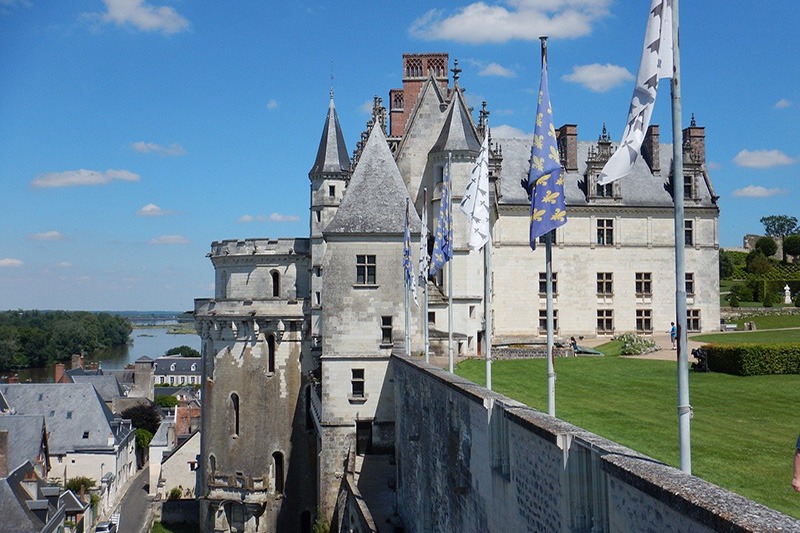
{"points": [[754, 359]]}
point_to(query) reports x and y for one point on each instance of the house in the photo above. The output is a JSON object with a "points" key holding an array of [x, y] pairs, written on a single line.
{"points": [[84, 437], [177, 370]]}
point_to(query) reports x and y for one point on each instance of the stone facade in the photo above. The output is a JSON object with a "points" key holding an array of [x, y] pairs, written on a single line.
{"points": [[299, 339]]}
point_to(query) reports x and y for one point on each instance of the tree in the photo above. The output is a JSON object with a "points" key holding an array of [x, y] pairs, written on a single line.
{"points": [[767, 246], [143, 416], [791, 245], [143, 438], [166, 400], [780, 226], [75, 484], [725, 265], [185, 351], [757, 263]]}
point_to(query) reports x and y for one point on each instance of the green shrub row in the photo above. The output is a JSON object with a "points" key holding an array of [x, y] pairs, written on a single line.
{"points": [[754, 359]]}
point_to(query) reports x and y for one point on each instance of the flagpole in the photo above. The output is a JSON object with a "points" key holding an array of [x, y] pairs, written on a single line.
{"points": [[684, 408], [407, 309], [424, 279], [487, 306], [450, 274]]}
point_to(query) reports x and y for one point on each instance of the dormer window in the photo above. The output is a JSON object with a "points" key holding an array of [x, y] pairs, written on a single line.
{"points": [[172, 367], [194, 367]]}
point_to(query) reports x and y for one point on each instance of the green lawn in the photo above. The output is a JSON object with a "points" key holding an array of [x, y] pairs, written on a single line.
{"points": [[750, 337], [743, 431]]}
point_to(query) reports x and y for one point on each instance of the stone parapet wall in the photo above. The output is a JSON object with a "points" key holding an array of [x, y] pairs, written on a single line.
{"points": [[469, 459]]}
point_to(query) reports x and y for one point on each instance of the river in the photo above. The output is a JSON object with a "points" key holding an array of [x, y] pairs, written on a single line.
{"points": [[150, 341]]}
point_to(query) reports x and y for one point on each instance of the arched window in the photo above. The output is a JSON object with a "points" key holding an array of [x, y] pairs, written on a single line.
{"points": [[276, 284], [277, 457], [212, 463], [271, 353], [235, 413]]}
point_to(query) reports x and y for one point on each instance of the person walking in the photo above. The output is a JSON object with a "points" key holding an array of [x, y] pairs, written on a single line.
{"points": [[673, 334]]}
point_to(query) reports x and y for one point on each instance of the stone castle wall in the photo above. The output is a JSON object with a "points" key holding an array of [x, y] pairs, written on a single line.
{"points": [[469, 459]]}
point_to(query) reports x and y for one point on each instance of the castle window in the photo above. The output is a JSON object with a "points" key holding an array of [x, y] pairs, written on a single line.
{"points": [[234, 414], [693, 320], [605, 321], [543, 284], [357, 383], [386, 330], [605, 231], [688, 187], [332, 191], [317, 297], [543, 321], [605, 284], [644, 321], [690, 284], [85, 434], [688, 232], [431, 317], [277, 457], [276, 284], [271, 353], [644, 284], [318, 214], [604, 191], [365, 270]]}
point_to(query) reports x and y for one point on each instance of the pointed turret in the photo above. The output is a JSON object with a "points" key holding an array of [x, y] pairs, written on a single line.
{"points": [[458, 133], [332, 155]]}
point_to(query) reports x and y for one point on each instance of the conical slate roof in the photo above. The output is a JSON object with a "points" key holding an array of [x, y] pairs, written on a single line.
{"points": [[457, 133], [375, 200], [332, 153]]}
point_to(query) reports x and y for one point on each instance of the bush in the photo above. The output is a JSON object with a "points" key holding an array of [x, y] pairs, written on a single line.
{"points": [[754, 359], [733, 300], [767, 246], [175, 494], [166, 400], [769, 299], [632, 344]]}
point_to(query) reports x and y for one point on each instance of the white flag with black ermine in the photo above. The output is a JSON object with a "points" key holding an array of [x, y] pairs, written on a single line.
{"points": [[475, 203], [656, 63]]}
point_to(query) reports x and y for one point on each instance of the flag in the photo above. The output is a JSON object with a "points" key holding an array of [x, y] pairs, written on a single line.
{"points": [[656, 63], [443, 243], [423, 243], [408, 268], [545, 183], [475, 203]]}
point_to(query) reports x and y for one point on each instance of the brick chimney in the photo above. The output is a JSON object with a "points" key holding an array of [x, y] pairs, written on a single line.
{"points": [[77, 360], [4, 453], [567, 137], [416, 68], [650, 149], [59, 372], [695, 137]]}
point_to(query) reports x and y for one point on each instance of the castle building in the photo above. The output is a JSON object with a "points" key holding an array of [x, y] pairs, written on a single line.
{"points": [[296, 342]]}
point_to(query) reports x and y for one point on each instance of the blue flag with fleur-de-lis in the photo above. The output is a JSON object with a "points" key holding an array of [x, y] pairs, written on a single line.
{"points": [[545, 183], [443, 243]]}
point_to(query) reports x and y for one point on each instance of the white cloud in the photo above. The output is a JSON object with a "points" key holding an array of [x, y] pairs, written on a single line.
{"points": [[517, 19], [274, 217], [74, 178], [495, 69], [170, 239], [757, 191], [599, 78], [48, 236], [144, 16], [713, 165], [272, 104], [366, 107], [783, 103], [152, 210], [504, 131], [9, 262], [173, 149], [15, 3], [762, 158], [277, 217]]}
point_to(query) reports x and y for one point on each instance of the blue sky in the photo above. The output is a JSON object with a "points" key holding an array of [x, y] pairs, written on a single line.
{"points": [[133, 133]]}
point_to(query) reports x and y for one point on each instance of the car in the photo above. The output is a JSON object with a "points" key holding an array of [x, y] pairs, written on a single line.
{"points": [[106, 527]]}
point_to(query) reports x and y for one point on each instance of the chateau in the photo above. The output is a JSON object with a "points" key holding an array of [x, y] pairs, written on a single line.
{"points": [[301, 341]]}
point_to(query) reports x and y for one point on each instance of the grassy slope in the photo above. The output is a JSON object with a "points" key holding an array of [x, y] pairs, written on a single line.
{"points": [[743, 430]]}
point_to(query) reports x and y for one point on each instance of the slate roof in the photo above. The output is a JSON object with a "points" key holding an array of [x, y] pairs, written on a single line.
{"points": [[332, 154], [16, 505], [639, 189], [375, 200], [26, 433], [183, 365], [70, 410], [458, 133], [107, 385]]}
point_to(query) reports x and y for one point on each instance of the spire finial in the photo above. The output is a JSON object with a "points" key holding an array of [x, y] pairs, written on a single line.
{"points": [[331, 79], [456, 71], [693, 123]]}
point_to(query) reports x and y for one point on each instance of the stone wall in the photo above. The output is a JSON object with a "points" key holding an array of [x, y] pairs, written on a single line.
{"points": [[469, 459]]}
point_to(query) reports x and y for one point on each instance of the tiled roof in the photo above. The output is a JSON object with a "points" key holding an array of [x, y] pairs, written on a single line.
{"points": [[182, 366], [25, 433], [332, 154]]}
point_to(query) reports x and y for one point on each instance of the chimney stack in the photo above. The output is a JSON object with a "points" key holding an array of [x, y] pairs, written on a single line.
{"points": [[59, 372], [567, 138], [650, 149], [695, 137]]}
